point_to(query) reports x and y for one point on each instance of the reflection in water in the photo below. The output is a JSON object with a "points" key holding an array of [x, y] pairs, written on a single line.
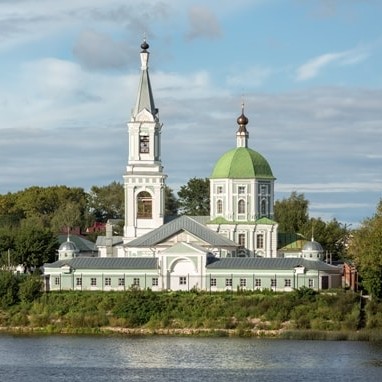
{"points": [[83, 358]]}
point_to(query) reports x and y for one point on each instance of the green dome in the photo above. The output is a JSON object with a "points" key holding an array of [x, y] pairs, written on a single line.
{"points": [[242, 163]]}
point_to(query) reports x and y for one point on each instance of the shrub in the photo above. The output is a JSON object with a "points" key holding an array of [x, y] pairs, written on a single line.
{"points": [[9, 288], [30, 288]]}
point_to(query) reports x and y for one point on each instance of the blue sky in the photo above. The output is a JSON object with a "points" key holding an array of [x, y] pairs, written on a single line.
{"points": [[310, 73]]}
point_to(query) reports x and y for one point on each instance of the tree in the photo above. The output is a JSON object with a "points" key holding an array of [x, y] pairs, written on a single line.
{"points": [[107, 202], [365, 248], [331, 235], [40, 202], [9, 289], [292, 213], [7, 242], [171, 203], [67, 216], [194, 198], [34, 246], [10, 213], [30, 288]]}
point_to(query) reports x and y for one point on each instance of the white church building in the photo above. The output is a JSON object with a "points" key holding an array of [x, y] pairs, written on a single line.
{"points": [[233, 248]]}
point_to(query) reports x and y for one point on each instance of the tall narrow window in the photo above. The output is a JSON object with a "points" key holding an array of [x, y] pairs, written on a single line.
{"points": [[241, 207], [144, 144], [263, 207], [219, 207], [241, 239], [144, 205], [260, 241]]}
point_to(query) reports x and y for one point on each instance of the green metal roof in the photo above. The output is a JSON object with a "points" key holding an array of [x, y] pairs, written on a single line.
{"points": [[265, 220], [116, 240], [242, 163], [81, 243], [182, 223], [107, 263], [269, 263], [290, 241]]}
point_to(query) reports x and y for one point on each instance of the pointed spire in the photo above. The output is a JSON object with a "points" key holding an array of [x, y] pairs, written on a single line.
{"points": [[242, 133], [145, 99]]}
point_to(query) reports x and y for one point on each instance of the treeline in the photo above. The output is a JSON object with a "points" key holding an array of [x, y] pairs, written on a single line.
{"points": [[242, 313], [61, 206], [31, 219], [292, 215]]}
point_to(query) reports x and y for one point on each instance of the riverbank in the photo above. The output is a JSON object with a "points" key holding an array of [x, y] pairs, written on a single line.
{"points": [[301, 314], [363, 335]]}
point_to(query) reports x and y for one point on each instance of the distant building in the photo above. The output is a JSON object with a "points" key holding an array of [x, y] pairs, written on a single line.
{"points": [[80, 246], [233, 248]]}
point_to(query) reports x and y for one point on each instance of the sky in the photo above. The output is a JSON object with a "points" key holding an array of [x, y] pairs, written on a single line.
{"points": [[308, 71]]}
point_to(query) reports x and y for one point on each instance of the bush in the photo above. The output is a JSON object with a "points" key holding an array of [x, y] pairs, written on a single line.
{"points": [[9, 288], [30, 288]]}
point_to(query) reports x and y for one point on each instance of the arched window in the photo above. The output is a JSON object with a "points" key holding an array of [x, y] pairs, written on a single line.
{"points": [[145, 205], [263, 211], [144, 144], [219, 207], [241, 207], [241, 239]]}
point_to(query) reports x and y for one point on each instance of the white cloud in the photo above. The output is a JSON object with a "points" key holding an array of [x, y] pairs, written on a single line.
{"points": [[315, 65], [328, 187]]}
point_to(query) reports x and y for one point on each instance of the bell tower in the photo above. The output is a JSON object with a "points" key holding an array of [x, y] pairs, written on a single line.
{"points": [[144, 180]]}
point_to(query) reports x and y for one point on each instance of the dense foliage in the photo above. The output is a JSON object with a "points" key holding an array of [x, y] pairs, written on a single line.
{"points": [[291, 213], [292, 216], [107, 202], [365, 249], [241, 312], [194, 197], [15, 288]]}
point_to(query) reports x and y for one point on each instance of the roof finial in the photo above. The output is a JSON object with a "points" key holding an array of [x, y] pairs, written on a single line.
{"points": [[242, 120], [144, 44]]}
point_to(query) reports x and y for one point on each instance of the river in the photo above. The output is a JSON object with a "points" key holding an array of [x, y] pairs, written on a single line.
{"points": [[156, 358]]}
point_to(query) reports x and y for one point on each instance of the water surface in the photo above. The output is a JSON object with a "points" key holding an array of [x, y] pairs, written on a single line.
{"points": [[85, 359]]}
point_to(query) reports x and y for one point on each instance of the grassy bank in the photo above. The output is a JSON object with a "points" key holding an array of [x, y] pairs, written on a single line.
{"points": [[300, 314]]}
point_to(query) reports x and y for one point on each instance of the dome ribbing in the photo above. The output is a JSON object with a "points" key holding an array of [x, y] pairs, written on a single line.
{"points": [[242, 163]]}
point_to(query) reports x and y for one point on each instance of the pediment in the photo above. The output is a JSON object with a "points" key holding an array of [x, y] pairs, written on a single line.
{"points": [[185, 248], [66, 268], [144, 116], [182, 229]]}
